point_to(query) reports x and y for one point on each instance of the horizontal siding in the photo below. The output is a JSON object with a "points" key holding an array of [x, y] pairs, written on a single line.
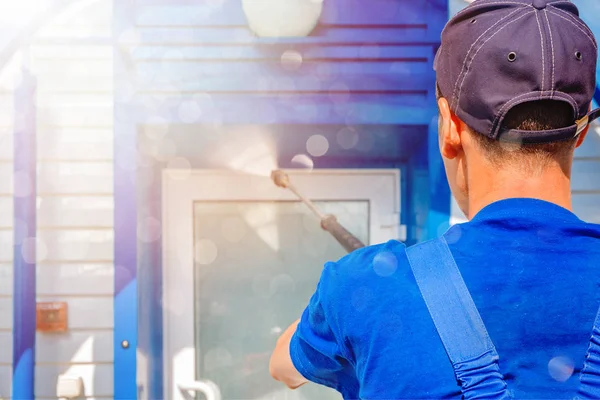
{"points": [[65, 211], [75, 203], [66, 279], [76, 347], [84, 20], [6, 282], [6, 113], [6, 381], [65, 245], [77, 245], [587, 207], [277, 52], [98, 379], [75, 178], [255, 77], [66, 178], [6, 246], [302, 109], [221, 13], [7, 83], [5, 313], [81, 143], [242, 35], [76, 83], [5, 349], [78, 212], [70, 52], [6, 143], [82, 116], [6, 178], [586, 175], [362, 65], [59, 68], [87, 313], [76, 279]]}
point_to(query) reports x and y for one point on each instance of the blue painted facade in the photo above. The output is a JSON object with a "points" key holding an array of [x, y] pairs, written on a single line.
{"points": [[366, 67], [24, 260]]}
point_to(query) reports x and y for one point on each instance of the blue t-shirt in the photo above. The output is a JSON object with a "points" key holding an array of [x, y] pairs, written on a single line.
{"points": [[533, 270]]}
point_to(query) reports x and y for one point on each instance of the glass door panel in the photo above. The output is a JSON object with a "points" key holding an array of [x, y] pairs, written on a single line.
{"points": [[256, 266]]}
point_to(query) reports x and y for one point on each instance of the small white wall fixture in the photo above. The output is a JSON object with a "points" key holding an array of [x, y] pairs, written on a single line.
{"points": [[282, 18]]}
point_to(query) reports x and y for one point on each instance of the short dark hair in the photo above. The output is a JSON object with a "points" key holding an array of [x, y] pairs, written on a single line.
{"points": [[531, 116]]}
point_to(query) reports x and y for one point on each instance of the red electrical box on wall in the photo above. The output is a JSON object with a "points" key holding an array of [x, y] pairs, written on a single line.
{"points": [[52, 317]]}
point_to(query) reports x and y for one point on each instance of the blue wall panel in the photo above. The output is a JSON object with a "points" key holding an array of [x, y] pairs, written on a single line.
{"points": [[24, 264], [125, 222], [367, 67]]}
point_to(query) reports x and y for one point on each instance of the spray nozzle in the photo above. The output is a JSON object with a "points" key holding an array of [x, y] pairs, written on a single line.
{"points": [[280, 178]]}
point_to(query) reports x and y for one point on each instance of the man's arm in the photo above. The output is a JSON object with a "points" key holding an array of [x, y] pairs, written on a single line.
{"points": [[281, 366]]}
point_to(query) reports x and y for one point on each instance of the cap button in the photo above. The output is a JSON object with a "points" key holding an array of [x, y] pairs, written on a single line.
{"points": [[539, 4]]}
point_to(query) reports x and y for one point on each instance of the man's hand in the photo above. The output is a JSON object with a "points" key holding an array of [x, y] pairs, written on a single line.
{"points": [[281, 366]]}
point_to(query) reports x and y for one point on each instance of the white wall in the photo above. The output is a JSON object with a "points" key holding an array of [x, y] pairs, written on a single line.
{"points": [[75, 201]]}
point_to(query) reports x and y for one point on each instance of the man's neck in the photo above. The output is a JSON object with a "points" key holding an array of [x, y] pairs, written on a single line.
{"points": [[550, 185]]}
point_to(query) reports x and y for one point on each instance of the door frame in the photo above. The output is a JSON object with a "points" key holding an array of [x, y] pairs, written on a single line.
{"points": [[181, 188]]}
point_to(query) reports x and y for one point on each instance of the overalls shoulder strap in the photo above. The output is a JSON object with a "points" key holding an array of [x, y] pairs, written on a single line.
{"points": [[590, 374], [457, 321]]}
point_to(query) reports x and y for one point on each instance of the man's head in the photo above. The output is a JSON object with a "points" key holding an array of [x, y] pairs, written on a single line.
{"points": [[515, 83]]}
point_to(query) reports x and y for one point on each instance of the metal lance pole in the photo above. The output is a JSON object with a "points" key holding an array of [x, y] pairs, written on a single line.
{"points": [[329, 223]]}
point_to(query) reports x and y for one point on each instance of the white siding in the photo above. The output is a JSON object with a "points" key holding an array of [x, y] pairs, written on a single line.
{"points": [[75, 197], [6, 233], [5, 380]]}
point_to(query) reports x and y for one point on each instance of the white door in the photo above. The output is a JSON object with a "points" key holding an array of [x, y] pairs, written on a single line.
{"points": [[242, 258]]}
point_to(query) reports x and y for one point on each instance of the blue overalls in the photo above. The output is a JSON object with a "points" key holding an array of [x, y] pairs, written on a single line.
{"points": [[465, 338]]}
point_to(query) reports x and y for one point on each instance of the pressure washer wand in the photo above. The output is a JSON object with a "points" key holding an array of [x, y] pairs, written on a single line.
{"points": [[329, 223]]}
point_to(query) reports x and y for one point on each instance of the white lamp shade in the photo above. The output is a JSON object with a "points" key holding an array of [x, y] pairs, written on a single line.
{"points": [[282, 18]]}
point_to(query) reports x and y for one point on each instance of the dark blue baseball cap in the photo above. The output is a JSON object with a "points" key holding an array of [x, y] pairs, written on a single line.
{"points": [[497, 54]]}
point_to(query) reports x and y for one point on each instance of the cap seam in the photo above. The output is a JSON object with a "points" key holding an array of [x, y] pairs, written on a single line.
{"points": [[575, 20], [454, 100], [543, 55], [482, 45], [578, 27], [552, 48]]}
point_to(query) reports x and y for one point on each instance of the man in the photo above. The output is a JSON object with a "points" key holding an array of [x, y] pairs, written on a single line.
{"points": [[515, 84]]}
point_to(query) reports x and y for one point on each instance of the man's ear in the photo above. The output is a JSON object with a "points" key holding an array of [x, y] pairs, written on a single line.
{"points": [[450, 131], [582, 136]]}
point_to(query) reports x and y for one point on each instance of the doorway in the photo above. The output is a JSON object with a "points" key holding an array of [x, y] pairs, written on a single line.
{"points": [[242, 258]]}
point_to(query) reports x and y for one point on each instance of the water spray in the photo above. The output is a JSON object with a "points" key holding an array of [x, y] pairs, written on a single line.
{"points": [[329, 223]]}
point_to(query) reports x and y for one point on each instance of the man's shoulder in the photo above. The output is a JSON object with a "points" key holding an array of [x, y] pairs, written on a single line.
{"points": [[371, 296], [380, 260], [374, 272]]}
